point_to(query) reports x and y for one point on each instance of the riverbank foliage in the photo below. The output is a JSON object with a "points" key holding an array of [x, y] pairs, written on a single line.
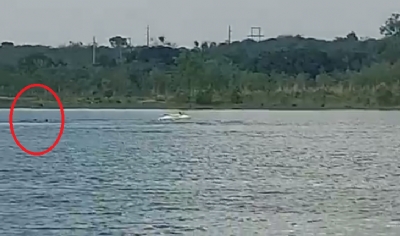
{"points": [[283, 71]]}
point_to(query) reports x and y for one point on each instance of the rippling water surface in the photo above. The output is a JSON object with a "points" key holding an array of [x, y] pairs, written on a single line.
{"points": [[221, 173]]}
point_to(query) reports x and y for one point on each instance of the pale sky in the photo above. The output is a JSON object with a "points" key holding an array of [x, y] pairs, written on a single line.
{"points": [[55, 22]]}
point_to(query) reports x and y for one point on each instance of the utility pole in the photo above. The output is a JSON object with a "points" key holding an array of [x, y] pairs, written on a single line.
{"points": [[229, 35], [258, 35], [94, 51], [148, 36], [129, 42]]}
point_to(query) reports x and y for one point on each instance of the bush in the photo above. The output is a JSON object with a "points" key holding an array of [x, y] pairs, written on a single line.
{"points": [[181, 97], [236, 96], [108, 93], [204, 97], [384, 96]]}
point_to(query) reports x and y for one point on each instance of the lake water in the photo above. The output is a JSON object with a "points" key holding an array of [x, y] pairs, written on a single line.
{"points": [[221, 173]]}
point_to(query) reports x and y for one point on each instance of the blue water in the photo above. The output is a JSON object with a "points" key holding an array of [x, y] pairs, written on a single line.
{"points": [[221, 173]]}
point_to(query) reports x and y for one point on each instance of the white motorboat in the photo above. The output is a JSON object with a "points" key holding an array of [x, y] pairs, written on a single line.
{"points": [[178, 116]]}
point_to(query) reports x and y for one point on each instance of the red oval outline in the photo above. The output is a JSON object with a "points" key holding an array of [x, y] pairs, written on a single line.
{"points": [[12, 124]]}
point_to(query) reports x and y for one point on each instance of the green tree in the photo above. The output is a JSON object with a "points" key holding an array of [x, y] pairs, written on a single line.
{"points": [[391, 26], [119, 43]]}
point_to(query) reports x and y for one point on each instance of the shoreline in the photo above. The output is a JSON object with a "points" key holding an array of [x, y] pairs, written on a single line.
{"points": [[174, 106]]}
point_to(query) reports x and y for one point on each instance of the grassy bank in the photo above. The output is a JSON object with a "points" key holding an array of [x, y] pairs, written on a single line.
{"points": [[123, 103]]}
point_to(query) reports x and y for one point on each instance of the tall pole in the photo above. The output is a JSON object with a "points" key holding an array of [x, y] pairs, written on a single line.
{"points": [[129, 44], [94, 51], [148, 36], [229, 35]]}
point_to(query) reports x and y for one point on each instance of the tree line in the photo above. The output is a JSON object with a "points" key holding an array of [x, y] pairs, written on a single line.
{"points": [[288, 70]]}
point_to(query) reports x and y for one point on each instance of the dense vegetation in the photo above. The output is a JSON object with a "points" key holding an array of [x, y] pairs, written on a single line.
{"points": [[285, 71]]}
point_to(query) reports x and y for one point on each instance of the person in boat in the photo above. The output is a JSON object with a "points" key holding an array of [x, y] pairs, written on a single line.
{"points": [[180, 113]]}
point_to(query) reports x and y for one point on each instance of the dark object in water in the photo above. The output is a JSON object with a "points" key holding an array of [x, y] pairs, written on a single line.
{"points": [[35, 121]]}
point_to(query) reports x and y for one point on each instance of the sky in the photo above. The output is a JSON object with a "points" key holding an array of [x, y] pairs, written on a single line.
{"points": [[56, 22]]}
